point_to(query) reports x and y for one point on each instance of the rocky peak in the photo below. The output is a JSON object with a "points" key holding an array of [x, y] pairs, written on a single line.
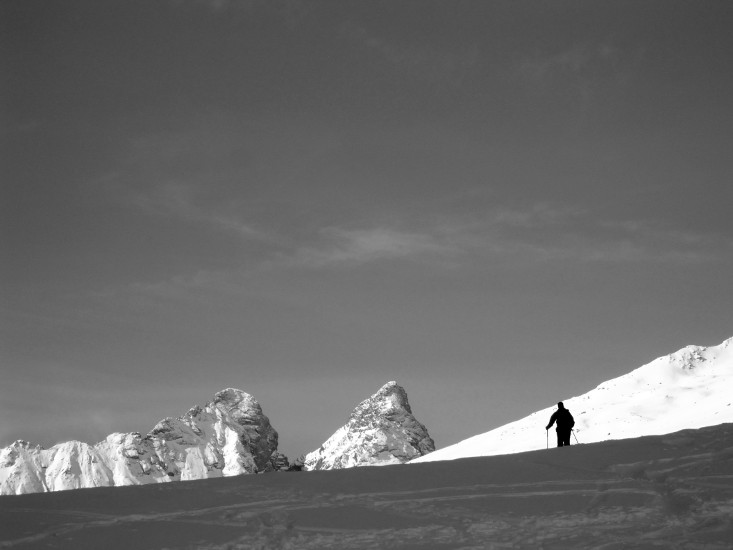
{"points": [[389, 402], [258, 435], [228, 436], [232, 397], [688, 358], [381, 430]]}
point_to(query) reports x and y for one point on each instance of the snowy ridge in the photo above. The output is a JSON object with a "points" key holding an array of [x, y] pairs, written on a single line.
{"points": [[381, 430], [691, 388], [228, 436]]}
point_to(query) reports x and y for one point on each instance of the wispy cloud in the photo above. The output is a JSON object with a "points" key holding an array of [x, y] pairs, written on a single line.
{"points": [[290, 11], [576, 61], [557, 232], [345, 247], [519, 238], [179, 200], [218, 5], [539, 232], [416, 59], [540, 215], [583, 71], [639, 240], [189, 175]]}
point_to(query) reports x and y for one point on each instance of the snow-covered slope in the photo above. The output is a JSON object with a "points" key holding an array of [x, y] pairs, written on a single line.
{"points": [[381, 430], [228, 436], [669, 491], [691, 388]]}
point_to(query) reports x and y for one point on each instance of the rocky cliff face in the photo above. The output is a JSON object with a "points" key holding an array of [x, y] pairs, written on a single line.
{"points": [[381, 430], [228, 436]]}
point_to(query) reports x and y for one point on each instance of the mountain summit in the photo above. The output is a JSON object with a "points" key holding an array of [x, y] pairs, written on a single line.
{"points": [[691, 388], [381, 430], [226, 437]]}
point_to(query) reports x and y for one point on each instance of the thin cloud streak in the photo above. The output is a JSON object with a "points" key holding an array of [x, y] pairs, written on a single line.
{"points": [[577, 60], [178, 200], [538, 216], [428, 63], [580, 71], [341, 247], [552, 232], [541, 232]]}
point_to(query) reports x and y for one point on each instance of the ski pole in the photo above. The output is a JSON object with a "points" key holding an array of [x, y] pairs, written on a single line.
{"points": [[547, 434], [576, 437]]}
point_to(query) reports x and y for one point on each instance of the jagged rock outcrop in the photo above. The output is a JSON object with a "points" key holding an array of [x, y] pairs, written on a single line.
{"points": [[226, 437], [381, 430], [278, 463]]}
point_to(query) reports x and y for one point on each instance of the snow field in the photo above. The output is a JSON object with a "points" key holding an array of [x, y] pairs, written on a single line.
{"points": [[670, 491]]}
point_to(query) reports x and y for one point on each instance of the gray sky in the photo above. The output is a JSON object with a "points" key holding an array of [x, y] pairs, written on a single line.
{"points": [[497, 204]]}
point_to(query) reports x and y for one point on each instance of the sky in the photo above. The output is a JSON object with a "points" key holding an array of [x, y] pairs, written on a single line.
{"points": [[496, 204]]}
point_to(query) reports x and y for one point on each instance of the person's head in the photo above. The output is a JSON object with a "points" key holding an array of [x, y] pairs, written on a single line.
{"points": [[560, 405]]}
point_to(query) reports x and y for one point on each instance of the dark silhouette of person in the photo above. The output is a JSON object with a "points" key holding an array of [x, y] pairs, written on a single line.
{"points": [[565, 423]]}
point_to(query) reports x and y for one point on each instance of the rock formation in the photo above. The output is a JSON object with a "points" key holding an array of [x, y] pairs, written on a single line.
{"points": [[228, 436], [381, 430]]}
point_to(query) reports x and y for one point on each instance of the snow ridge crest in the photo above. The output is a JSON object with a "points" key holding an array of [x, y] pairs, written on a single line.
{"points": [[688, 389]]}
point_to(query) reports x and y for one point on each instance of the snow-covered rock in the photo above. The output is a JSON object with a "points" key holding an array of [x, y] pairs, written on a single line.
{"points": [[381, 430], [22, 469], [691, 388], [228, 436]]}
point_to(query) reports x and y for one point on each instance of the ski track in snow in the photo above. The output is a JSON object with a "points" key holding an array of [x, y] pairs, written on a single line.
{"points": [[673, 491]]}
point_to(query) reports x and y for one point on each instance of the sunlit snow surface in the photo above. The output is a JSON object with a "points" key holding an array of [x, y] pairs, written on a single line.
{"points": [[691, 388], [659, 492]]}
